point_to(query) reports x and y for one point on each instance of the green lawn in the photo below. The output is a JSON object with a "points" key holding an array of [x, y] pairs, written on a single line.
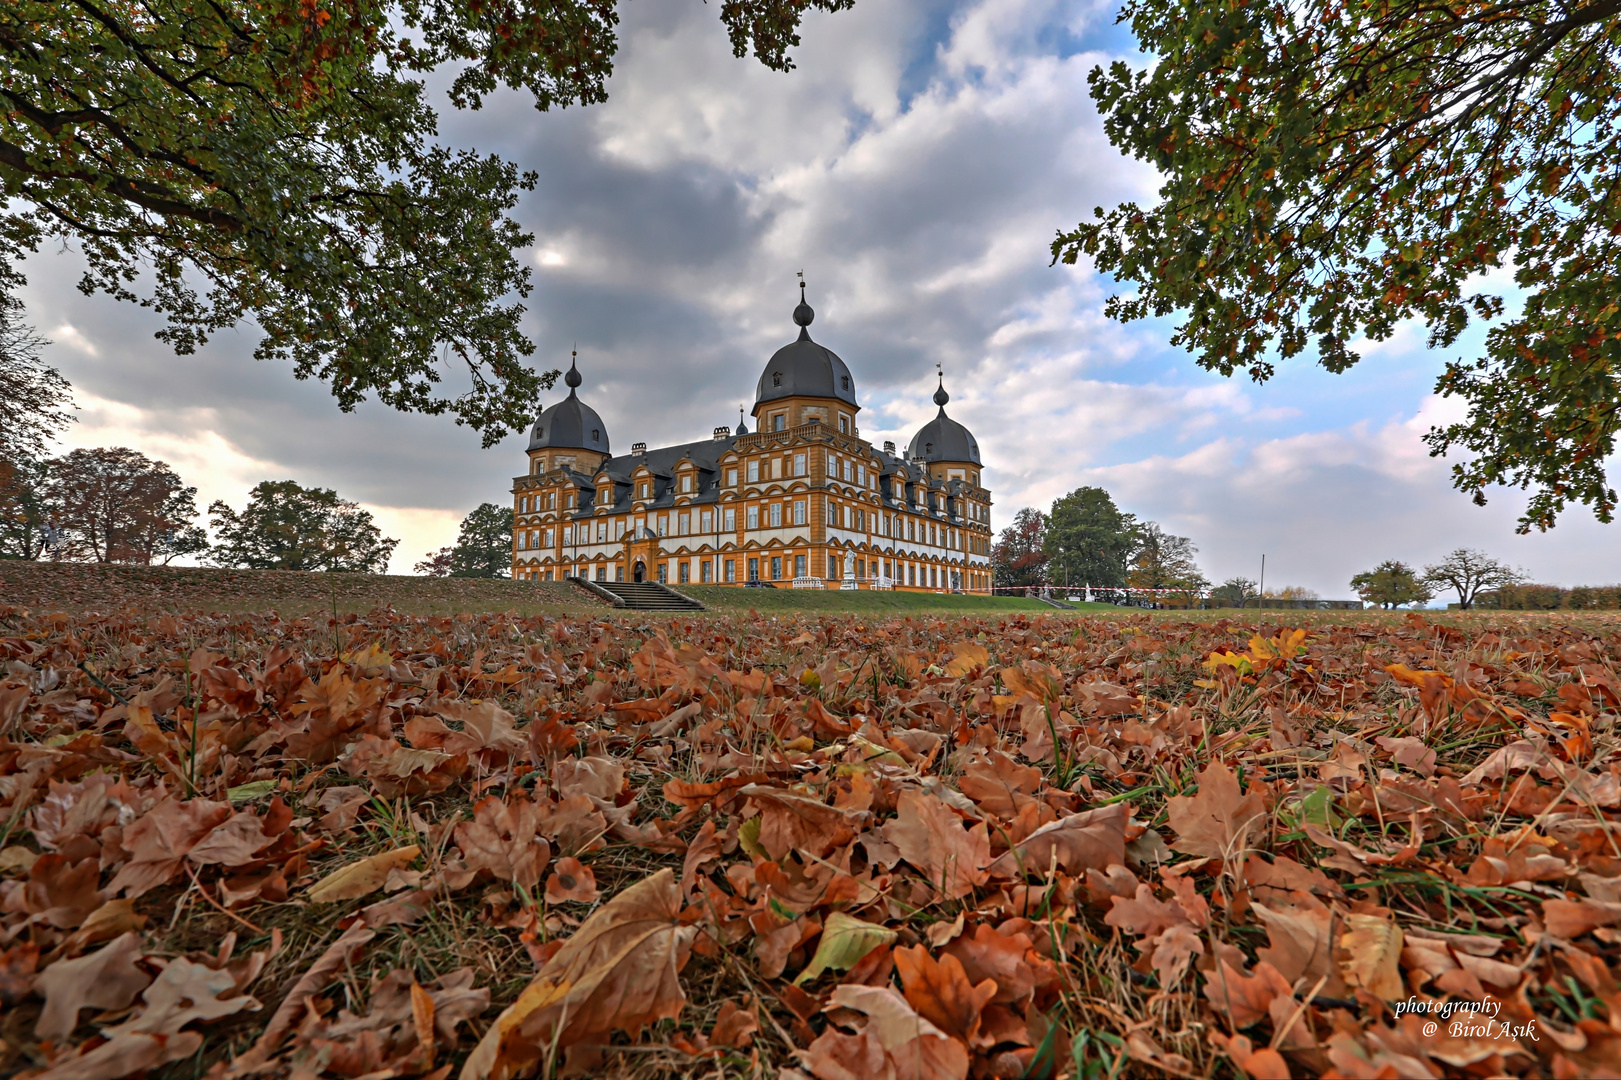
{"points": [[719, 598]]}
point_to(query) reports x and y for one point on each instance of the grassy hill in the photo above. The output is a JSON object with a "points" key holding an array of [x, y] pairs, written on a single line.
{"points": [[95, 587]]}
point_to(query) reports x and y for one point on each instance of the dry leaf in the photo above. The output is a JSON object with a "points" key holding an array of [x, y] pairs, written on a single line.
{"points": [[932, 838], [1218, 821], [362, 876], [620, 971], [1374, 945], [108, 978]]}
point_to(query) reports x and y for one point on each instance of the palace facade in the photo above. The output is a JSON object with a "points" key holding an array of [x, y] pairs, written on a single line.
{"points": [[802, 500]]}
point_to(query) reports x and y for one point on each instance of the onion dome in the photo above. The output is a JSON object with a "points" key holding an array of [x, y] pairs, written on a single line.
{"points": [[571, 423], [943, 439], [804, 368]]}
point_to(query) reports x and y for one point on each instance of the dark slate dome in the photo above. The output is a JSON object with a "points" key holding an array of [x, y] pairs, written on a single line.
{"points": [[943, 439], [804, 368], [571, 423]]}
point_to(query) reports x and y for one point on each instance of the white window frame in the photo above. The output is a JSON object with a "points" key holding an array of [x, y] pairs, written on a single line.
{"points": [[799, 515], [730, 519], [753, 517]]}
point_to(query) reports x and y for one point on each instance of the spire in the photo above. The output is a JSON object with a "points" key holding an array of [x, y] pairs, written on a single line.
{"points": [[573, 377], [742, 428], [803, 314], [940, 395]]}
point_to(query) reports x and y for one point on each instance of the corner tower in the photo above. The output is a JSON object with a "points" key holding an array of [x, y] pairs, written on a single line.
{"points": [[949, 450], [805, 383], [570, 434]]}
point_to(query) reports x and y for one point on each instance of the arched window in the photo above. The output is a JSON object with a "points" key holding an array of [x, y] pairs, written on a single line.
{"points": [[596, 434]]}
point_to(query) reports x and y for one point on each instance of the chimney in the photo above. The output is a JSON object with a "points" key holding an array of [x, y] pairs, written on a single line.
{"points": [[723, 432], [639, 449], [889, 447]]}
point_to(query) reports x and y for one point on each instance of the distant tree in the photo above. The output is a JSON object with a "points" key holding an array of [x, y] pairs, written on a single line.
{"points": [[34, 398], [1467, 572], [24, 508], [437, 563], [484, 545], [1293, 592], [117, 505], [1089, 539], [289, 527], [34, 404], [1018, 558], [1236, 592], [1163, 561], [1391, 584]]}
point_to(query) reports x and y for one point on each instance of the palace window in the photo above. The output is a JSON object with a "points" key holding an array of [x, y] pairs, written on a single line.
{"points": [[799, 566], [602, 573], [776, 568], [731, 477], [619, 529], [800, 468], [754, 517], [754, 569], [729, 520], [832, 464], [644, 489], [707, 572], [754, 472], [799, 514], [861, 475], [683, 524], [844, 424], [547, 541], [664, 524], [731, 570], [686, 484], [706, 521], [523, 541], [683, 571], [846, 472], [776, 378], [779, 422], [845, 381], [602, 531], [776, 515]]}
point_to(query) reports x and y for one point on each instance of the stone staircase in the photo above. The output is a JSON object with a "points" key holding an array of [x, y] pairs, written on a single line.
{"points": [[639, 596]]}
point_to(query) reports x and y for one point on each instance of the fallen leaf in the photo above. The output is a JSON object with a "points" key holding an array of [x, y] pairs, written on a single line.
{"points": [[362, 876], [1217, 822], [932, 838], [620, 970], [571, 881], [109, 978], [1374, 945], [845, 940]]}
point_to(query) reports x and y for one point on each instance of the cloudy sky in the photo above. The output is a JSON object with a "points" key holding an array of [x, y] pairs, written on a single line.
{"points": [[915, 166]]}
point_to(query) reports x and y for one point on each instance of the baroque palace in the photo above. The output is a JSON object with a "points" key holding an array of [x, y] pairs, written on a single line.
{"points": [[801, 501]]}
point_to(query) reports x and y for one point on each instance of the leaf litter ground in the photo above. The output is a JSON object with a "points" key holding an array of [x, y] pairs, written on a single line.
{"points": [[495, 846]]}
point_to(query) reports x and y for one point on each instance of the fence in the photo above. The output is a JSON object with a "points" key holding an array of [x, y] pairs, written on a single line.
{"points": [[1179, 599]]}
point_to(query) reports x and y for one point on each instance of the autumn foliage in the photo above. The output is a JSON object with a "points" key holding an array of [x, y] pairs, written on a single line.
{"points": [[492, 847]]}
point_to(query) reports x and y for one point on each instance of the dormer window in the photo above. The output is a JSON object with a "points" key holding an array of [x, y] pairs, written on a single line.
{"points": [[644, 489], [845, 380], [776, 378], [928, 448], [596, 435], [686, 484]]}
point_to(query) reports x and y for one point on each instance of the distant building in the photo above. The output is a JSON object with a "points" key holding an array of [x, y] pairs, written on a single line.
{"points": [[803, 497]]}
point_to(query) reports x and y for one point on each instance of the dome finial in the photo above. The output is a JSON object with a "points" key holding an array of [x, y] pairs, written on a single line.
{"points": [[940, 395], [573, 377], [742, 428], [803, 314]]}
